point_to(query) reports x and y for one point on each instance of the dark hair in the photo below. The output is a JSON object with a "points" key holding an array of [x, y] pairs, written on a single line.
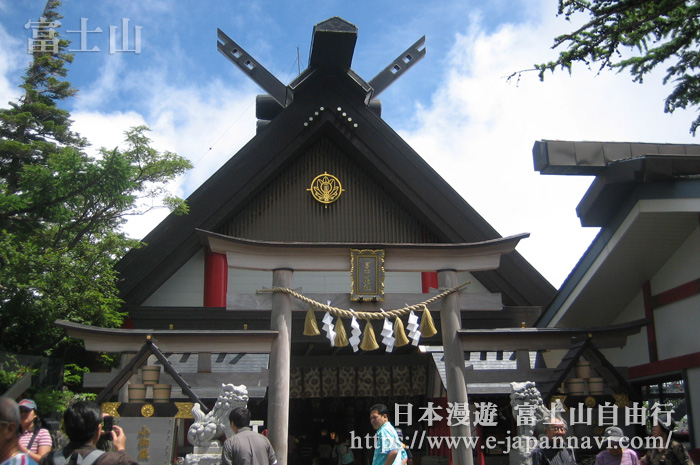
{"points": [[380, 408], [240, 416], [81, 421]]}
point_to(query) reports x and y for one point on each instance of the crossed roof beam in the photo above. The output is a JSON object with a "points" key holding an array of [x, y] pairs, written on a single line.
{"points": [[326, 36]]}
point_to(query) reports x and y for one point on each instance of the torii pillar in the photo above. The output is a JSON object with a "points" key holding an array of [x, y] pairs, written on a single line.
{"points": [[450, 323], [280, 363], [282, 259]]}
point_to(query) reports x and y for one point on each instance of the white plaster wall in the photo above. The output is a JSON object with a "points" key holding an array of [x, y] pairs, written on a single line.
{"points": [[247, 281], [636, 352], [681, 267], [677, 328], [184, 289], [678, 324], [693, 390]]}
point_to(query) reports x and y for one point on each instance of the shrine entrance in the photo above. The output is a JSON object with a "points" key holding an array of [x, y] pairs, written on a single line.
{"points": [[330, 397]]}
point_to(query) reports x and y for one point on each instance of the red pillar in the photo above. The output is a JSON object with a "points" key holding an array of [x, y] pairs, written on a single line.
{"points": [[429, 279], [215, 279]]}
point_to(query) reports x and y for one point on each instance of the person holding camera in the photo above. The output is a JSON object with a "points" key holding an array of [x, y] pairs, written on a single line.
{"points": [[82, 422]]}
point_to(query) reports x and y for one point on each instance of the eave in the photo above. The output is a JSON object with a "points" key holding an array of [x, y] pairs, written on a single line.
{"points": [[546, 338], [173, 340]]}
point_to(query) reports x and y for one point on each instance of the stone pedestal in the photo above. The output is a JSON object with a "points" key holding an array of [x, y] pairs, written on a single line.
{"points": [[205, 455]]}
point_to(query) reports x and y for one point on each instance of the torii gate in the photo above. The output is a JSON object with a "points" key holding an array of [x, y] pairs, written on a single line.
{"points": [[282, 259]]}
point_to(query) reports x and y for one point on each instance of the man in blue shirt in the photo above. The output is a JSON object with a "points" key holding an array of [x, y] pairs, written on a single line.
{"points": [[388, 448]]}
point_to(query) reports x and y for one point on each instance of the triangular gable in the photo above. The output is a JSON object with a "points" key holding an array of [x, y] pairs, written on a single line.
{"points": [[587, 349], [366, 210], [148, 349], [328, 103]]}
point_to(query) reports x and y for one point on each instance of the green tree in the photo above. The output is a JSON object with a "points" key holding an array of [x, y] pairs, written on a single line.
{"points": [[61, 210], [636, 35]]}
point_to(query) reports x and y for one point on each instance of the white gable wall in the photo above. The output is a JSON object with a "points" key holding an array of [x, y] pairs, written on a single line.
{"points": [[337, 282], [184, 289], [678, 324], [636, 351]]}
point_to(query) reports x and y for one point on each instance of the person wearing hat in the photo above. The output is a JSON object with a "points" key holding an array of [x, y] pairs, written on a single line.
{"points": [[675, 454], [9, 435], [615, 453], [34, 441]]}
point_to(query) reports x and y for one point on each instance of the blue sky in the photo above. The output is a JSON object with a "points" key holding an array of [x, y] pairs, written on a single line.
{"points": [[454, 107]]}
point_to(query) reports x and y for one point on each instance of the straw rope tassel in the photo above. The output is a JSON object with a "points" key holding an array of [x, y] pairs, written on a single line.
{"points": [[369, 340], [310, 324], [399, 333], [341, 338], [427, 327]]}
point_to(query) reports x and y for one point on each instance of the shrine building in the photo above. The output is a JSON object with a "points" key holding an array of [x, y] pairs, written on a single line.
{"points": [[328, 267]]}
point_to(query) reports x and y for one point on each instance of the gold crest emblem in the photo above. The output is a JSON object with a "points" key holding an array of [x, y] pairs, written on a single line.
{"points": [[326, 188], [147, 410]]}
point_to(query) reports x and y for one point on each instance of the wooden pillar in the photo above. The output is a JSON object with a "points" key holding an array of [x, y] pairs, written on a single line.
{"points": [[280, 358], [450, 323], [123, 394], [429, 279], [215, 279], [651, 327]]}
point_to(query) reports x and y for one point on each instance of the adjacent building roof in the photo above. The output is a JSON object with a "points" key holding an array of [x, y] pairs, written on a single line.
{"points": [[646, 200]]}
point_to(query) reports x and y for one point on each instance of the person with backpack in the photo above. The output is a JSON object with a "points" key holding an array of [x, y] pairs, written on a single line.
{"points": [[82, 422], [34, 440]]}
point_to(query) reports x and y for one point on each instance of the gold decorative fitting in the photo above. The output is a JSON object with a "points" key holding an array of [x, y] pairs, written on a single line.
{"points": [[590, 402], [621, 400], [326, 188], [110, 408], [184, 410], [147, 410]]}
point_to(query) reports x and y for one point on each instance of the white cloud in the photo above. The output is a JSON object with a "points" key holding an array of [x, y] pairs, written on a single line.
{"points": [[13, 58], [478, 133], [206, 124]]}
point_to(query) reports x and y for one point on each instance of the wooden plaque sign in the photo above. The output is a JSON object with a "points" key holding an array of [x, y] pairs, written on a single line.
{"points": [[367, 275]]}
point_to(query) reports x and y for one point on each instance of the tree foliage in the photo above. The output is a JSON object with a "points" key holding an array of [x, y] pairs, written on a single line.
{"points": [[61, 210], [636, 35]]}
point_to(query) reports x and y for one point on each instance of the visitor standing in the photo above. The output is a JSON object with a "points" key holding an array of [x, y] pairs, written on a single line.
{"points": [[10, 429], [615, 452], [34, 441], [82, 422], [246, 447], [388, 448], [554, 451]]}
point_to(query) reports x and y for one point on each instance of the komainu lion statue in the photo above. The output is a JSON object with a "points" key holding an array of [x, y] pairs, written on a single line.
{"points": [[526, 397], [206, 428]]}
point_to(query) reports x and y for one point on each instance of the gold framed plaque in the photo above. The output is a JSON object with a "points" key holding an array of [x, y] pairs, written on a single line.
{"points": [[367, 275]]}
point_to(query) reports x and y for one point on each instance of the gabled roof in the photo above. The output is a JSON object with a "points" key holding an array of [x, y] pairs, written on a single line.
{"points": [[588, 350], [646, 199], [330, 102]]}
